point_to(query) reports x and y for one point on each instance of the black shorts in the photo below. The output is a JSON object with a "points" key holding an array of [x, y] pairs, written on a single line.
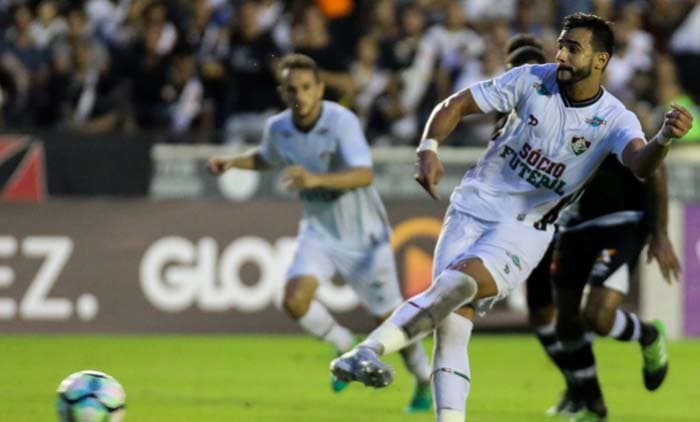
{"points": [[539, 284], [595, 254]]}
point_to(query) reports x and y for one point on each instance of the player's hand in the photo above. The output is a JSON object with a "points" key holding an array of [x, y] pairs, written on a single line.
{"points": [[217, 165], [660, 248], [297, 177], [429, 171], [677, 122]]}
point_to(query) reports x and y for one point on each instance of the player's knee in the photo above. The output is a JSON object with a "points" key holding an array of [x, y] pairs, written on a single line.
{"points": [[599, 319], [458, 285], [298, 294]]}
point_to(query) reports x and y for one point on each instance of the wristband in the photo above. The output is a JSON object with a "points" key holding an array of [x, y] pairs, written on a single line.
{"points": [[662, 140], [428, 145]]}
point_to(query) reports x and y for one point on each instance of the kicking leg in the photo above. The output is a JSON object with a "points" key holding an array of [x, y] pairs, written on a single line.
{"points": [[463, 283]]}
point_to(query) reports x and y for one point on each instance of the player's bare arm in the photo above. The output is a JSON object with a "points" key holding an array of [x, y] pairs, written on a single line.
{"points": [[643, 159], [250, 160], [442, 121], [297, 177], [660, 247]]}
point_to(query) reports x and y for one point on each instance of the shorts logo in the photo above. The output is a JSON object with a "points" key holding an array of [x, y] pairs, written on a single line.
{"points": [[506, 269], [516, 261], [532, 120], [579, 145]]}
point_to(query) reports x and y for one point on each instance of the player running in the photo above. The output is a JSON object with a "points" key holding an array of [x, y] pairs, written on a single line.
{"points": [[500, 220], [344, 228]]}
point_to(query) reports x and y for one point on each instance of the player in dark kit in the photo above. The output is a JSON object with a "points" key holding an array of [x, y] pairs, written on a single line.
{"points": [[602, 237]]}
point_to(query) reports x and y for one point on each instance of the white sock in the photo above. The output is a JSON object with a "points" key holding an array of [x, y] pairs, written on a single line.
{"points": [[451, 373], [417, 362], [448, 415], [320, 323], [387, 338]]}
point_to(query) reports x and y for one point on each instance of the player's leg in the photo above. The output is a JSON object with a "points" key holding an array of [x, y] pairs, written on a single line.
{"points": [[542, 314], [310, 265], [510, 262], [451, 370], [400, 329], [573, 259], [610, 284], [299, 302]]}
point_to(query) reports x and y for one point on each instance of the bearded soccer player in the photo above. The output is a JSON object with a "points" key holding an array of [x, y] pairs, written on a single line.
{"points": [[600, 239], [344, 228], [500, 220]]}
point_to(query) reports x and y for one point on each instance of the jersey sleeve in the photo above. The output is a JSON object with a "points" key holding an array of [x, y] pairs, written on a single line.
{"points": [[625, 128], [353, 146], [268, 148], [502, 93]]}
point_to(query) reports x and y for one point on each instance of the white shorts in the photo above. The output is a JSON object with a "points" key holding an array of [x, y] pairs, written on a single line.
{"points": [[371, 272], [509, 251]]}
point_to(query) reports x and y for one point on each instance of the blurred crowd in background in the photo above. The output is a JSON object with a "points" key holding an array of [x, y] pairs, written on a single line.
{"points": [[203, 71]]}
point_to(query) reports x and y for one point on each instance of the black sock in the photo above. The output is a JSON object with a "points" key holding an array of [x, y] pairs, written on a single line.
{"points": [[580, 363], [553, 348]]}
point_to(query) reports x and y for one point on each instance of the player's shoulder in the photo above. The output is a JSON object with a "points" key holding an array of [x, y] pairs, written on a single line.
{"points": [[335, 110], [539, 78], [338, 116], [280, 121], [615, 110], [539, 72]]}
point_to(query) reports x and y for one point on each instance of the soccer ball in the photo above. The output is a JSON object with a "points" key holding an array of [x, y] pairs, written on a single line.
{"points": [[90, 396]]}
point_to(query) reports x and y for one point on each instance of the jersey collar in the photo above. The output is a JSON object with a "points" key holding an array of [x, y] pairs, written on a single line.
{"points": [[577, 104]]}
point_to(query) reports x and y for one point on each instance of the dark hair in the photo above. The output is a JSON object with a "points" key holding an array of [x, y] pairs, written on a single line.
{"points": [[522, 40], [297, 61], [525, 54], [602, 38]]}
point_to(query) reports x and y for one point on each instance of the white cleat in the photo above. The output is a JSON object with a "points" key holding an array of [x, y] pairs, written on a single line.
{"points": [[362, 364]]}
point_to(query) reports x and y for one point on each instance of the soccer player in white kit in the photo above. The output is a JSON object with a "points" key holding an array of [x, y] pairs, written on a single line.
{"points": [[562, 125], [344, 228]]}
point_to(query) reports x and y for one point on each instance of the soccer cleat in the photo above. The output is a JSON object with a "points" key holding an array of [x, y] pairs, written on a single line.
{"points": [[422, 400], [655, 359], [567, 406], [362, 364], [338, 385], [587, 415]]}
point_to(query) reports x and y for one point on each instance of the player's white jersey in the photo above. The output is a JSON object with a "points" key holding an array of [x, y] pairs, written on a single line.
{"points": [[355, 217], [547, 150]]}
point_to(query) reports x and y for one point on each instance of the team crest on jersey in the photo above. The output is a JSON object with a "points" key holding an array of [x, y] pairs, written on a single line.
{"points": [[541, 89], [579, 144]]}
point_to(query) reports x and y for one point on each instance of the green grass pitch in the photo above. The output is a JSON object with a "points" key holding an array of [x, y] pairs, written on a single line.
{"points": [[285, 378]]}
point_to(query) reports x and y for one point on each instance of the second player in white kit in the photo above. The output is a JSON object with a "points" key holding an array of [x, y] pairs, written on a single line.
{"points": [[344, 229], [562, 126]]}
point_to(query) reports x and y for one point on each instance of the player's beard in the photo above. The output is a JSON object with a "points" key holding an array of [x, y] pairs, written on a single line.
{"points": [[576, 74]]}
